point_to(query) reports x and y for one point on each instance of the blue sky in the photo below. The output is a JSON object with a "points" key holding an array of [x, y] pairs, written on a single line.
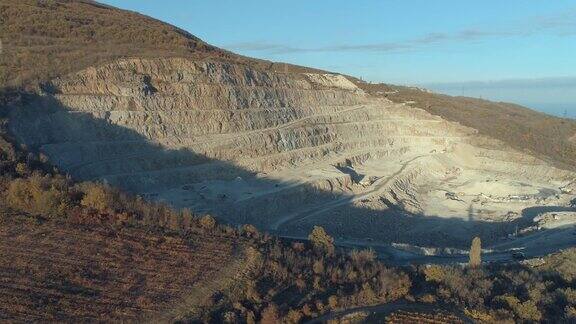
{"points": [[514, 50]]}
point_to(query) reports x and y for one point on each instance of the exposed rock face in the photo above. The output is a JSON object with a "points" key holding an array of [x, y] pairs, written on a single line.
{"points": [[283, 151]]}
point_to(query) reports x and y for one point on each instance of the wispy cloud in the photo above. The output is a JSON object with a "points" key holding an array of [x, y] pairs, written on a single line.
{"points": [[265, 47], [284, 49], [562, 24], [534, 83]]}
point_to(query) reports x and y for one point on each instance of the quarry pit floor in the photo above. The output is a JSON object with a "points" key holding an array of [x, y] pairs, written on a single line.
{"points": [[429, 201]]}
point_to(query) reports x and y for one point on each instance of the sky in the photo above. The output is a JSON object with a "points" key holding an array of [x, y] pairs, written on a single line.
{"points": [[522, 51]]}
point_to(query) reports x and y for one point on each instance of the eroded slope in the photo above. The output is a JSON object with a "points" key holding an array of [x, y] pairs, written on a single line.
{"points": [[284, 151], [545, 136]]}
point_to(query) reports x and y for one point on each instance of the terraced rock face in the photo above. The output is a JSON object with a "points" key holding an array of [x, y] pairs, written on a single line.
{"points": [[284, 151]]}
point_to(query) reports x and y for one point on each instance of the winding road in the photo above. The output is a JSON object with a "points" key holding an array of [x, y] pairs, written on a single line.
{"points": [[389, 308], [377, 187]]}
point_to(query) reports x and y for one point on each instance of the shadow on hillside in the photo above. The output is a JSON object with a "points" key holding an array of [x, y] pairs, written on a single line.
{"points": [[92, 148]]}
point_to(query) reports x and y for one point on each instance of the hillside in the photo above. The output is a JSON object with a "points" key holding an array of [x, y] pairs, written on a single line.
{"points": [[58, 271], [49, 38], [45, 39], [521, 128], [169, 117], [142, 171]]}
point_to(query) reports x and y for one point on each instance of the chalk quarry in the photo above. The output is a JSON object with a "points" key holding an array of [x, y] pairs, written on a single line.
{"points": [[286, 151]]}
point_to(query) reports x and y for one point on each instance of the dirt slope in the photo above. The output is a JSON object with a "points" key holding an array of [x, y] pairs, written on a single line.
{"points": [[61, 272]]}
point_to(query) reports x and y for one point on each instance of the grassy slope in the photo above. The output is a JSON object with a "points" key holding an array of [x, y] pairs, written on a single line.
{"points": [[48, 38], [542, 135], [44, 39]]}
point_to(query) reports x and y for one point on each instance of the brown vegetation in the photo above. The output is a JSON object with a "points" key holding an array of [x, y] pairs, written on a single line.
{"points": [[81, 252], [407, 317], [562, 264], [54, 271], [43, 39], [97, 196], [321, 240], [475, 252], [39, 195]]}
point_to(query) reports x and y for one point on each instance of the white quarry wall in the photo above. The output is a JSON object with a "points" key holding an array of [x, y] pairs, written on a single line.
{"points": [[265, 148]]}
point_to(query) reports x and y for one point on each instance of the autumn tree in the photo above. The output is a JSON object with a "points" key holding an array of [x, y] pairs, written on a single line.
{"points": [[39, 195], [294, 316], [321, 241], [96, 196], [270, 315], [476, 252], [208, 222]]}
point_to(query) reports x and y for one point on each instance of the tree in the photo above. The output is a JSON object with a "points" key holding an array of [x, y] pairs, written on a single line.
{"points": [[39, 195], [321, 241], [476, 252], [294, 316], [250, 231], [250, 318], [363, 257], [270, 315], [208, 222], [96, 196], [333, 302], [318, 267]]}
